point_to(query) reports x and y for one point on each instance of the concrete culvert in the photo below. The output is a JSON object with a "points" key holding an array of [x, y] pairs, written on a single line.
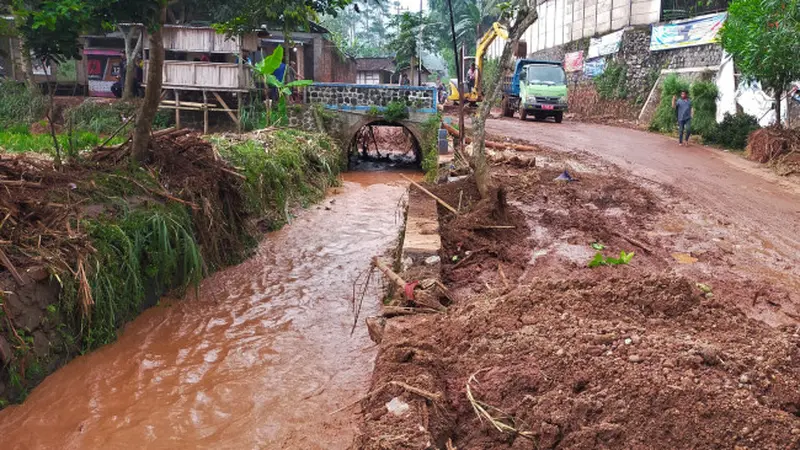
{"points": [[380, 144]]}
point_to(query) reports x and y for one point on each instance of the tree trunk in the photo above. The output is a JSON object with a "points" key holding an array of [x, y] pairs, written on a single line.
{"points": [[130, 55], [27, 66], [778, 95], [152, 96], [525, 18]]}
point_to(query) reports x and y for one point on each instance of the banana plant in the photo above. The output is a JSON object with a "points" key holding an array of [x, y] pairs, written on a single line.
{"points": [[266, 69]]}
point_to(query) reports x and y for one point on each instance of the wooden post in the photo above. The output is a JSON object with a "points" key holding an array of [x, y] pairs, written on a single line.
{"points": [[205, 112], [177, 110], [239, 111]]}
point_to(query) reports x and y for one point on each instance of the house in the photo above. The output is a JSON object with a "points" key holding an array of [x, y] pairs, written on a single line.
{"points": [[375, 71], [313, 56]]}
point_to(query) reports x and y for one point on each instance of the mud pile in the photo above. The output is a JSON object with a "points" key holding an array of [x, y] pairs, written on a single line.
{"points": [[540, 351]]}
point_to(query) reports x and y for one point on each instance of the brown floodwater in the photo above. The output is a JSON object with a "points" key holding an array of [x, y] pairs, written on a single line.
{"points": [[259, 359]]}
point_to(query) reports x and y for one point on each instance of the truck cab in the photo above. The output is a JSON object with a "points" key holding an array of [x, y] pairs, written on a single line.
{"points": [[538, 88]]}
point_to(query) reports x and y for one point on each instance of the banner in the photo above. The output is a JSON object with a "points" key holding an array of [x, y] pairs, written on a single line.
{"points": [[605, 45], [594, 67], [573, 62], [687, 33]]}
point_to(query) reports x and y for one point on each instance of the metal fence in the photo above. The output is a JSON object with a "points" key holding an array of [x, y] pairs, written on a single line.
{"points": [[684, 9]]}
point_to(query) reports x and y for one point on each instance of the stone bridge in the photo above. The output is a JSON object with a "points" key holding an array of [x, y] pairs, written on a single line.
{"points": [[359, 105]]}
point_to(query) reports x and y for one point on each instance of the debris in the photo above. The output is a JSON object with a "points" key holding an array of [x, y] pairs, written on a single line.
{"points": [[684, 258], [430, 194], [565, 177], [397, 407], [8, 265], [432, 260], [633, 241], [635, 358]]}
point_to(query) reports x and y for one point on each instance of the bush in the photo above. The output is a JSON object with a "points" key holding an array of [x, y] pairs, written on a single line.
{"points": [[733, 132], [664, 120], [396, 111], [611, 84], [490, 69], [704, 100], [18, 105]]}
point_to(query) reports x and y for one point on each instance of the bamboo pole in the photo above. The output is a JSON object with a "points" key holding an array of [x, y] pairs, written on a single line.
{"points": [[431, 194]]}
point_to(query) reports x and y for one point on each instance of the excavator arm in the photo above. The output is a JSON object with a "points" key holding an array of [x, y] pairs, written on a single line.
{"points": [[480, 51]]}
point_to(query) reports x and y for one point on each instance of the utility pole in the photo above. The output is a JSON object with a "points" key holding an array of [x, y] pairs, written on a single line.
{"points": [[461, 131], [419, 47]]}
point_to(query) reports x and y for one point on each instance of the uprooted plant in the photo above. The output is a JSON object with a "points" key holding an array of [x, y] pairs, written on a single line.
{"points": [[600, 260]]}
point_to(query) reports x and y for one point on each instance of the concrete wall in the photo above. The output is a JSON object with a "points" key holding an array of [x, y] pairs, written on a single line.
{"points": [[563, 21], [363, 97], [643, 66]]}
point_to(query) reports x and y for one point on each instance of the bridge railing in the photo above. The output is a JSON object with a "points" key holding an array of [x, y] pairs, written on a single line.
{"points": [[363, 97]]}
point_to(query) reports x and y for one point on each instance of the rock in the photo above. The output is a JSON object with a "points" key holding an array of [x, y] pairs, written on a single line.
{"points": [[41, 345], [560, 352], [375, 326], [795, 431], [636, 339], [744, 379], [407, 263], [5, 350], [38, 273], [628, 341], [432, 260], [709, 354], [397, 407], [635, 359]]}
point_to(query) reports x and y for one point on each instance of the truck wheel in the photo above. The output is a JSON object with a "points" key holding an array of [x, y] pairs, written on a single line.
{"points": [[507, 111], [559, 117], [523, 114]]}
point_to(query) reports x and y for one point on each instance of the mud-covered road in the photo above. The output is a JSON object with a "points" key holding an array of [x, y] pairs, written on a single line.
{"points": [[745, 211]]}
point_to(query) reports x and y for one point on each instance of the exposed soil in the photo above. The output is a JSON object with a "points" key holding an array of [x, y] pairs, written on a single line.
{"points": [[777, 147], [684, 347]]}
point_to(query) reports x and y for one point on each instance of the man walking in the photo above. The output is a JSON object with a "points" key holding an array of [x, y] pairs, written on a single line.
{"points": [[683, 107]]}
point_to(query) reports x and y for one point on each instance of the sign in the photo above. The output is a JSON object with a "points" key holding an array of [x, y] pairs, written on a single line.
{"points": [[573, 62], [594, 67], [605, 45], [687, 33]]}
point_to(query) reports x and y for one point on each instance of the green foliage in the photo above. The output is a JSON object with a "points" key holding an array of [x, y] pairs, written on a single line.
{"points": [[287, 167], [611, 84], [600, 260], [21, 142], [396, 111], [408, 39], [430, 148], [240, 16], [146, 250], [704, 101], [100, 117], [18, 105], [764, 38], [665, 118], [266, 69], [733, 132]]}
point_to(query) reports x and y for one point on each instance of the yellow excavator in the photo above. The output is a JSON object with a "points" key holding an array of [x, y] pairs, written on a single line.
{"points": [[476, 94]]}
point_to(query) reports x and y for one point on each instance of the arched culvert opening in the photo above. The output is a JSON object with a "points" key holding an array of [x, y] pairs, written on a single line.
{"points": [[381, 145]]}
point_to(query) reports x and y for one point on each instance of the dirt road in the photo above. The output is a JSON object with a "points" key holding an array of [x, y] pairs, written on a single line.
{"points": [[752, 214]]}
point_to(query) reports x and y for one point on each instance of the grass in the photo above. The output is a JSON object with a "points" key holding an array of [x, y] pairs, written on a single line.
{"points": [[20, 141], [286, 166], [146, 251], [18, 105], [430, 148]]}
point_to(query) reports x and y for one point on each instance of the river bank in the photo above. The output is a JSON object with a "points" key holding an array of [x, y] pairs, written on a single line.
{"points": [[89, 246], [260, 357]]}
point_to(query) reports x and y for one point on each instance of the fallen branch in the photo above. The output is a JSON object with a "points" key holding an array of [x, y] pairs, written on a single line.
{"points": [[633, 241], [13, 270], [434, 397], [469, 256], [121, 127], [393, 277], [393, 311], [154, 192], [492, 144], [21, 183], [431, 194], [494, 227], [482, 411]]}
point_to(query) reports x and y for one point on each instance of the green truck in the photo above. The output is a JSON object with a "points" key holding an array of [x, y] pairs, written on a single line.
{"points": [[537, 88]]}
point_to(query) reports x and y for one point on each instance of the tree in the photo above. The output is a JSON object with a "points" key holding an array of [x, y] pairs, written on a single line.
{"points": [[411, 36], [132, 50], [521, 15], [764, 38]]}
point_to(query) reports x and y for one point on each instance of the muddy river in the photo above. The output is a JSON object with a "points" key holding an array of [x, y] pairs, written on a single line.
{"points": [[259, 359]]}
